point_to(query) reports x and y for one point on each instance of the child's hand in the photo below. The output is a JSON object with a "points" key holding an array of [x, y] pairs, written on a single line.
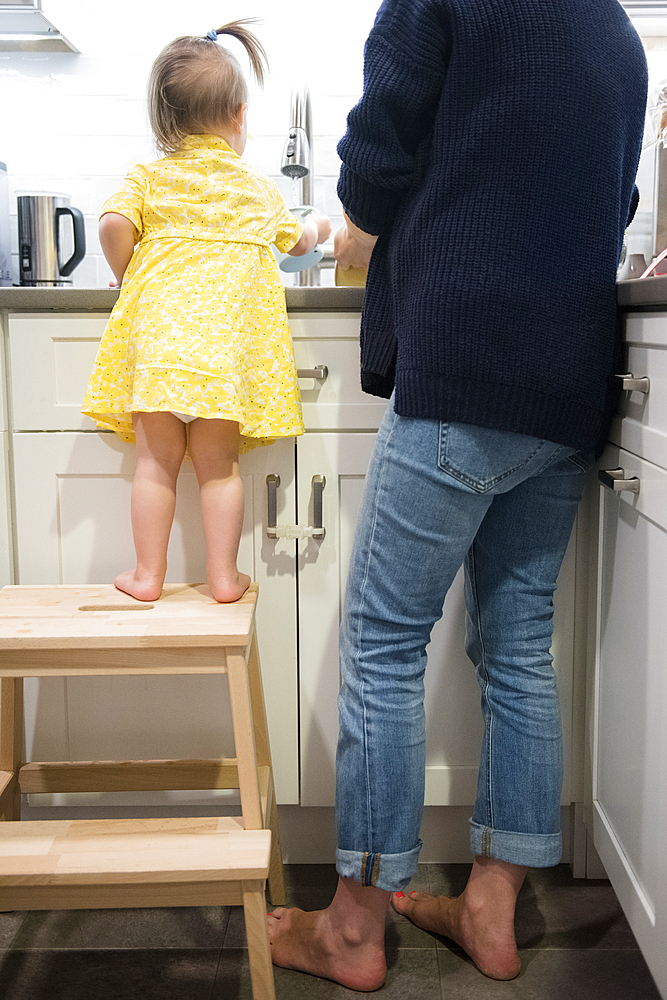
{"points": [[323, 223], [316, 229]]}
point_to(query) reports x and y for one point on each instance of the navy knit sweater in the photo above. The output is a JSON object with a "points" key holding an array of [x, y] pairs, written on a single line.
{"points": [[494, 152]]}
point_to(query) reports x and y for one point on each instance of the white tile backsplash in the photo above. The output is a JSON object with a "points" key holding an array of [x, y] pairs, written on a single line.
{"points": [[75, 123]]}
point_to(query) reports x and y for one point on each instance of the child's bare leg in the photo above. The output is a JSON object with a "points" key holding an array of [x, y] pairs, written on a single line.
{"points": [[214, 449], [160, 448]]}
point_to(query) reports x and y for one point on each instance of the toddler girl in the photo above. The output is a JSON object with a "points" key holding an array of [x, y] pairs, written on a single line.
{"points": [[197, 351]]}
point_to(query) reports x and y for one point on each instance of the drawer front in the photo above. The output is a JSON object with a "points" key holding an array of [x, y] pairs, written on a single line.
{"points": [[50, 358], [336, 401], [641, 426], [52, 355]]}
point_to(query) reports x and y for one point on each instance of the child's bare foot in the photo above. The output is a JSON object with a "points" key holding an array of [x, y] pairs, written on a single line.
{"points": [[488, 940], [310, 942], [226, 589], [143, 588]]}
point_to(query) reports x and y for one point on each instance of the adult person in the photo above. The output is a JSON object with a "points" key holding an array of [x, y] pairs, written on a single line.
{"points": [[488, 175]]}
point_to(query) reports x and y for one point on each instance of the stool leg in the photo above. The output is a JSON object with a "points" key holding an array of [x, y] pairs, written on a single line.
{"points": [[276, 872], [246, 761], [276, 877], [11, 744], [259, 950]]}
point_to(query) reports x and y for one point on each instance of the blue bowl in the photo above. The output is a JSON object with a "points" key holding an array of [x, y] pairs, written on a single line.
{"points": [[293, 264]]}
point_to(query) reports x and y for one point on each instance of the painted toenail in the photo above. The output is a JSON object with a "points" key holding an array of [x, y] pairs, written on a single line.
{"points": [[399, 895]]}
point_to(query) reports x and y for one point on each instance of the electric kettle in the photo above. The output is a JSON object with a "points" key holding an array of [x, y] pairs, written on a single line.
{"points": [[44, 238]]}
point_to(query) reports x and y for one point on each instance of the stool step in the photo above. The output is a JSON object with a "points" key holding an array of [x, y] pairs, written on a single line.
{"points": [[125, 862]]}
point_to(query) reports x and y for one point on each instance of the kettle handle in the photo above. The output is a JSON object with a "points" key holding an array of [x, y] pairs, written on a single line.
{"points": [[79, 238]]}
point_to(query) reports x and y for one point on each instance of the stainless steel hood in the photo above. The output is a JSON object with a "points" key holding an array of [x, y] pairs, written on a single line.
{"points": [[25, 28]]}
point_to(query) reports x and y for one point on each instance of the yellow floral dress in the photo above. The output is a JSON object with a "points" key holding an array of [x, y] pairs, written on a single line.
{"points": [[200, 325]]}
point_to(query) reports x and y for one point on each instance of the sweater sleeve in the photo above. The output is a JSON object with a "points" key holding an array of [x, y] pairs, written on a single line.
{"points": [[634, 204], [405, 64]]}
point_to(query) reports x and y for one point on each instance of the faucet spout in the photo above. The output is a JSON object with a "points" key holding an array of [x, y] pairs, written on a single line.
{"points": [[297, 161]]}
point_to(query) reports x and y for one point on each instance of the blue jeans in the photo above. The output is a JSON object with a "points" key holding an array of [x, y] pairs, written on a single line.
{"points": [[438, 495]]}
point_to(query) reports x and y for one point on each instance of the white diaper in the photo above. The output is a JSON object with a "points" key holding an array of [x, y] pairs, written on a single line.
{"points": [[185, 417]]}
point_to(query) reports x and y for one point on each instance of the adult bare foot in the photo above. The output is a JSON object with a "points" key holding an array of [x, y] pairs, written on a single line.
{"points": [[311, 942], [143, 588], [226, 589], [486, 936]]}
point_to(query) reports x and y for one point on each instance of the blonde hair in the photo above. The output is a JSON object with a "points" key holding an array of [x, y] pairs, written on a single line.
{"points": [[197, 86]]}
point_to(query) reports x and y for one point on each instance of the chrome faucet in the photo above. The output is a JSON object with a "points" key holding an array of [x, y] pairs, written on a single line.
{"points": [[297, 159], [297, 162]]}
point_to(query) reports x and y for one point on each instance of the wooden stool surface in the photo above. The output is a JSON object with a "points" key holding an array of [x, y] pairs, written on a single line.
{"points": [[101, 617], [118, 851]]}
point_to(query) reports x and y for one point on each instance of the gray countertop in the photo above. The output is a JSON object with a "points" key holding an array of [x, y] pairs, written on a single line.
{"points": [[638, 293], [643, 293], [325, 299]]}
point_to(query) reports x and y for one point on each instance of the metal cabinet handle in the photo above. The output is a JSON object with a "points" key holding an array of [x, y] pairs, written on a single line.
{"points": [[317, 484], [320, 372], [614, 479], [272, 484], [631, 384], [274, 530]]}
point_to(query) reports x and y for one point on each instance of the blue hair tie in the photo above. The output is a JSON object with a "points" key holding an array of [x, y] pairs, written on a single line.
{"points": [[212, 35]]}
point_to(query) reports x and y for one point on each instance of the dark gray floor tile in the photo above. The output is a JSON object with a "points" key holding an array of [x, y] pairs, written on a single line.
{"points": [[554, 910], [10, 924], [572, 916], [410, 973], [50, 929], [401, 933], [177, 927], [108, 975], [447, 880], [551, 975], [560, 875], [301, 876], [235, 936]]}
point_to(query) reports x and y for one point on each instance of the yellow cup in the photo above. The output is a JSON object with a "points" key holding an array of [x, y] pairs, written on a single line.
{"points": [[350, 276]]}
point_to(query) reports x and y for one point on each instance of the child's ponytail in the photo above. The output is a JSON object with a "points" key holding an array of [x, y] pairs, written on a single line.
{"points": [[252, 45], [198, 87]]}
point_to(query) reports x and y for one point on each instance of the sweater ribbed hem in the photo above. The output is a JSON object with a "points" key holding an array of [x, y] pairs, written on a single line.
{"points": [[516, 408]]}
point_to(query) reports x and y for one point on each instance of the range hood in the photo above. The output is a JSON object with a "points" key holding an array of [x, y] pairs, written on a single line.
{"points": [[25, 28]]}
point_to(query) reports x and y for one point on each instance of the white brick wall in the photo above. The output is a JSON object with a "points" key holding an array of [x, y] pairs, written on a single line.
{"points": [[74, 124]]}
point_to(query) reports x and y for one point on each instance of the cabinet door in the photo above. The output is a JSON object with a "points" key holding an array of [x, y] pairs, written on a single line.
{"points": [[73, 526], [630, 702], [51, 356], [6, 561], [641, 425], [454, 726], [335, 401]]}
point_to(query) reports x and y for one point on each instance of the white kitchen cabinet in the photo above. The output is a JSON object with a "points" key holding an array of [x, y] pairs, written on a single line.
{"points": [[629, 790], [6, 566], [72, 494], [453, 717], [627, 704], [72, 486]]}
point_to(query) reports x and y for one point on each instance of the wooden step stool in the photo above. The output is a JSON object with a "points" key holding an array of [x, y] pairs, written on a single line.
{"points": [[65, 631]]}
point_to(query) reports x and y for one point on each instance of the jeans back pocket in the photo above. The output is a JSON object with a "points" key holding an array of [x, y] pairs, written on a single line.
{"points": [[484, 459]]}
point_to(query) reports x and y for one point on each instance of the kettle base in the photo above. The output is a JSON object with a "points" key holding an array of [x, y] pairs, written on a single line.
{"points": [[46, 284]]}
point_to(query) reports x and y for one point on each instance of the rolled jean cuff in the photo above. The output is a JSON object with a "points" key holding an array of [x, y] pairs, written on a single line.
{"points": [[384, 871], [535, 850]]}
